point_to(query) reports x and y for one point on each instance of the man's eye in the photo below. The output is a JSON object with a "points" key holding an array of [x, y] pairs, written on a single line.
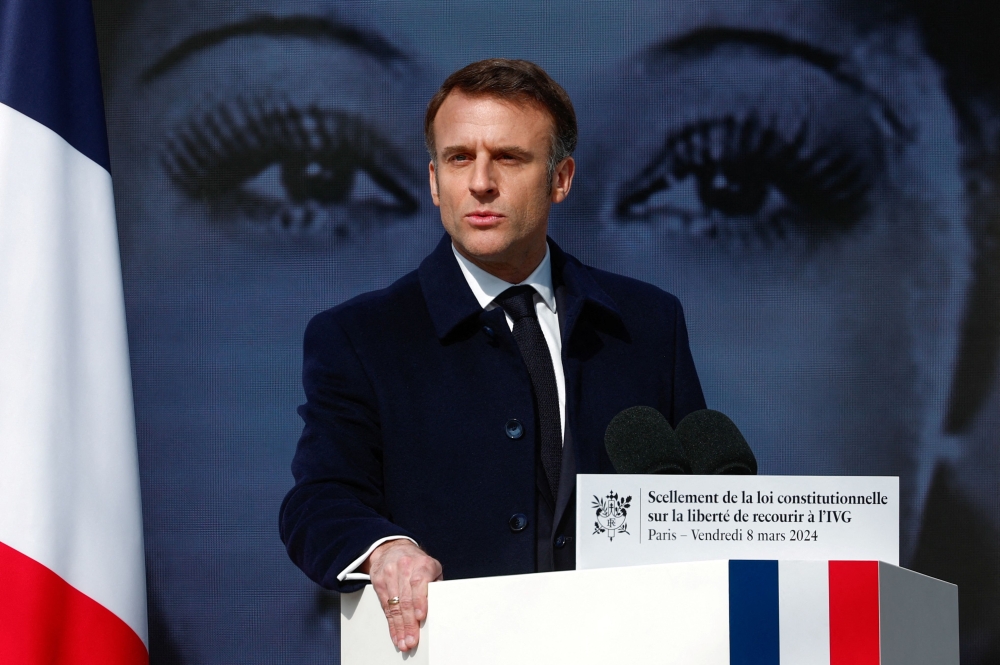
{"points": [[296, 170], [745, 181]]}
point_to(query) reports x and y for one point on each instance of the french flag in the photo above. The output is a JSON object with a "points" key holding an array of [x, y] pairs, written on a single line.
{"points": [[72, 583], [839, 613]]}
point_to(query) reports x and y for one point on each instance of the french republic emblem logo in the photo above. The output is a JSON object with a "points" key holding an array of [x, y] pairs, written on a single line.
{"points": [[611, 513]]}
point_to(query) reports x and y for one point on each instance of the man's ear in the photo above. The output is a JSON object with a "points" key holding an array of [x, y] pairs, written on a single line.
{"points": [[434, 183], [562, 180]]}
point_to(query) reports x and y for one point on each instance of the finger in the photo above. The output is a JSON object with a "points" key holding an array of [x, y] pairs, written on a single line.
{"points": [[408, 567], [406, 636], [427, 570], [394, 615], [432, 572], [411, 626], [387, 588]]}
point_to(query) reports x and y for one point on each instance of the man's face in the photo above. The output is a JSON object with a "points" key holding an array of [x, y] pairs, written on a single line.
{"points": [[491, 180]]}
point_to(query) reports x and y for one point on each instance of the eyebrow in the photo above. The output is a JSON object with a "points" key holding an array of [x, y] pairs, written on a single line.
{"points": [[511, 150], [704, 41], [304, 27]]}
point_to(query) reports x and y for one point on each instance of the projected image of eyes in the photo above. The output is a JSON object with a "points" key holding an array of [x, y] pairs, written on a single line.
{"points": [[290, 169], [745, 139], [748, 179]]}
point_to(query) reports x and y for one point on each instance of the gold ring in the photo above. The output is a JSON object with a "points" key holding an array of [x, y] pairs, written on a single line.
{"points": [[393, 601]]}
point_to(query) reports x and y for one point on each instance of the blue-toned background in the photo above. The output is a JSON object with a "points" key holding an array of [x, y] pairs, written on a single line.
{"points": [[815, 179]]}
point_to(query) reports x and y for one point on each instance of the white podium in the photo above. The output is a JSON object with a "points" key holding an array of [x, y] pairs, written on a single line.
{"points": [[705, 612]]}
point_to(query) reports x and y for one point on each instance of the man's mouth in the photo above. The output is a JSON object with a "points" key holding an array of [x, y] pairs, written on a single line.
{"points": [[483, 217]]}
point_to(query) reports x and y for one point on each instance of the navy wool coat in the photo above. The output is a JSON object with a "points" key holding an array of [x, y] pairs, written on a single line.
{"points": [[410, 394]]}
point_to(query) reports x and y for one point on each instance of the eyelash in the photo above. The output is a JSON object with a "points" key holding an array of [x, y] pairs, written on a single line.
{"points": [[320, 154], [741, 167]]}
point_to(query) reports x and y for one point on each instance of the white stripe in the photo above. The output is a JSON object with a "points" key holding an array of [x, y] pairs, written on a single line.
{"points": [[69, 487], [804, 612]]}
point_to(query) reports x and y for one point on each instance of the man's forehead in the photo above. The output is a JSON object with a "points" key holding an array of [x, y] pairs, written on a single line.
{"points": [[520, 104]]}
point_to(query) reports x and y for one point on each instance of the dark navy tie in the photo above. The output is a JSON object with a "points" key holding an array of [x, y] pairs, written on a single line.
{"points": [[519, 305]]}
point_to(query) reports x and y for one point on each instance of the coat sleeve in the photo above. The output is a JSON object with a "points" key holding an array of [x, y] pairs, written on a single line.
{"points": [[687, 394], [337, 507]]}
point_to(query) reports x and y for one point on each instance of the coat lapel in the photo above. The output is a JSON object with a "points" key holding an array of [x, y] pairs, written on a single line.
{"points": [[580, 303], [449, 299]]}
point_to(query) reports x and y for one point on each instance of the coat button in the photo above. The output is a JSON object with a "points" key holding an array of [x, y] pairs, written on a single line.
{"points": [[515, 430], [561, 542], [518, 522], [489, 333]]}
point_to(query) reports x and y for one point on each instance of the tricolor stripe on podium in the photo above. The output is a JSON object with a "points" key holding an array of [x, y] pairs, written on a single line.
{"points": [[804, 612], [72, 582]]}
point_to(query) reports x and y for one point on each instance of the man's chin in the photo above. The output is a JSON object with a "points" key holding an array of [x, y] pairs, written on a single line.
{"points": [[486, 246]]}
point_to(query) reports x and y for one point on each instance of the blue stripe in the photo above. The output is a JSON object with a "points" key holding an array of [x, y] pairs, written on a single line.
{"points": [[753, 613], [49, 70]]}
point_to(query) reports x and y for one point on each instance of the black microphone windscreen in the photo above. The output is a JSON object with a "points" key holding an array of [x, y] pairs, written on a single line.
{"points": [[715, 445], [640, 440]]}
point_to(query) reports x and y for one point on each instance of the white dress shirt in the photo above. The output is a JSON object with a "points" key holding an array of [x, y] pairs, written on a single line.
{"points": [[486, 288]]}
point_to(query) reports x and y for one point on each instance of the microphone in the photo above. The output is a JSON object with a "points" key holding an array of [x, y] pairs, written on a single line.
{"points": [[640, 440], [714, 445]]}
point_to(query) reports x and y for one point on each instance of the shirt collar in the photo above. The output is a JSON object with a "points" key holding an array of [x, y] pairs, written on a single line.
{"points": [[487, 287]]}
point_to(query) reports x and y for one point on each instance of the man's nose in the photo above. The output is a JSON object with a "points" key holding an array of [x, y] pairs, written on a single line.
{"points": [[483, 178]]}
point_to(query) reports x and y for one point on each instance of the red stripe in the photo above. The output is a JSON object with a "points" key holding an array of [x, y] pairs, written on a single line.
{"points": [[45, 621], [854, 615]]}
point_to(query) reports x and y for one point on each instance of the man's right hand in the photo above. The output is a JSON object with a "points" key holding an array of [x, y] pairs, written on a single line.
{"points": [[400, 572]]}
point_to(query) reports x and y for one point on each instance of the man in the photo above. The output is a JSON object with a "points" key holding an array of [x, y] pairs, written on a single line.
{"points": [[448, 414]]}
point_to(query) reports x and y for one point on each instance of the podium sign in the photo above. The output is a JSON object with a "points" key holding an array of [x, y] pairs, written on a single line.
{"points": [[629, 520]]}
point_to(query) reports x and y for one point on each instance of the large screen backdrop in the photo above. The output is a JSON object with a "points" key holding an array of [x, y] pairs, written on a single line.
{"points": [[815, 179]]}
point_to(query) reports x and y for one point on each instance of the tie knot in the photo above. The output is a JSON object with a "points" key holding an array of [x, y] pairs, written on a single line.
{"points": [[518, 302]]}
